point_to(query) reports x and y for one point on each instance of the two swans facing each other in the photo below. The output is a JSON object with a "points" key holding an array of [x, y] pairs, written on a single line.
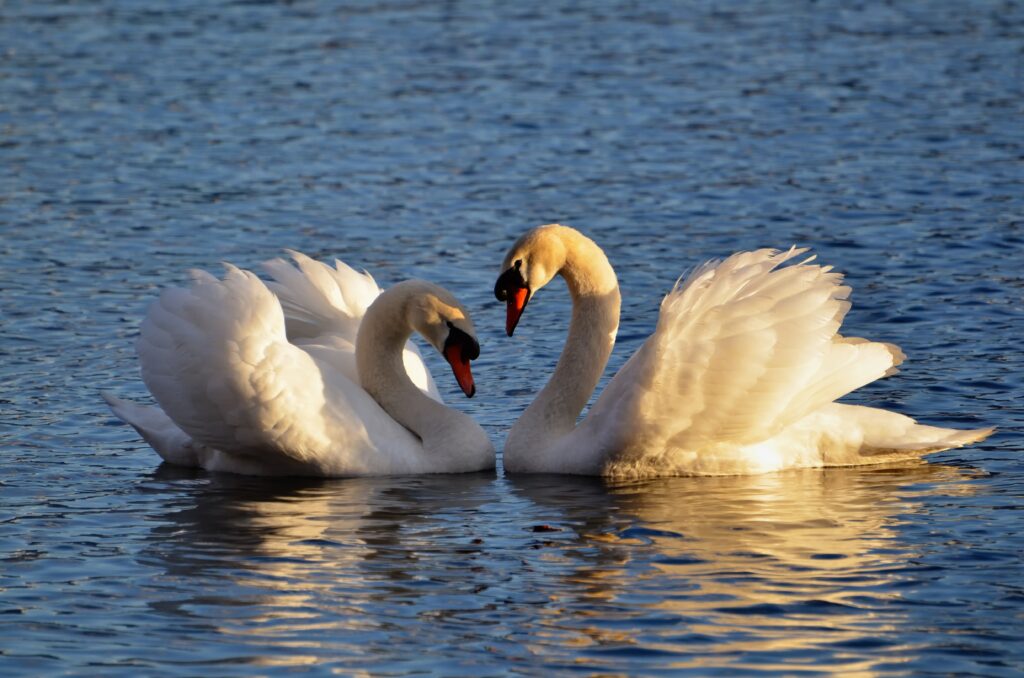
{"points": [[316, 377], [740, 375], [313, 374]]}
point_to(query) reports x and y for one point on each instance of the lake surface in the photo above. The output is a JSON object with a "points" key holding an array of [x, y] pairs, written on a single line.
{"points": [[141, 139]]}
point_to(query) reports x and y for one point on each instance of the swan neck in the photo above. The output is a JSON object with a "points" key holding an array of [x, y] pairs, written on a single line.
{"points": [[380, 343], [592, 329], [595, 321]]}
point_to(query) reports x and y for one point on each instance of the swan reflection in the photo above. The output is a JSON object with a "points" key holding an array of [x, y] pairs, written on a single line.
{"points": [[721, 571], [288, 571], [680, 572]]}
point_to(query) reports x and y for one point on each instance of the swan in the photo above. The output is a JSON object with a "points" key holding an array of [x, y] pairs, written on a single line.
{"points": [[313, 375], [739, 376]]}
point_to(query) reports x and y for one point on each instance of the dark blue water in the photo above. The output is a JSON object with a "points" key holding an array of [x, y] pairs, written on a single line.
{"points": [[139, 139]]}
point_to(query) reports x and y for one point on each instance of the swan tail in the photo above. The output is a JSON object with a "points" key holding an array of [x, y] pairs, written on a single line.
{"points": [[172, 444], [318, 299], [923, 439], [853, 434]]}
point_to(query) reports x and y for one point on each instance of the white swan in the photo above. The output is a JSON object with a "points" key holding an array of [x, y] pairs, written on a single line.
{"points": [[739, 376], [316, 380]]}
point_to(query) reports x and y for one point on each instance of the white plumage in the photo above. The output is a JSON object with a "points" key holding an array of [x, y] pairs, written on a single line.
{"points": [[323, 308], [740, 375], [252, 382]]}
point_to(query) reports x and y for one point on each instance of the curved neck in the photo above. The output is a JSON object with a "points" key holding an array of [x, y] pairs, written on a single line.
{"points": [[595, 320], [382, 336]]}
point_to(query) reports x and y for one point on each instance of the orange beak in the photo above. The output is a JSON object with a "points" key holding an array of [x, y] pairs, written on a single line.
{"points": [[460, 368], [514, 310]]}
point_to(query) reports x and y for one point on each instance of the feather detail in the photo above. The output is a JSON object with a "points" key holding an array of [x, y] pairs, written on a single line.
{"points": [[236, 394], [741, 375], [323, 308]]}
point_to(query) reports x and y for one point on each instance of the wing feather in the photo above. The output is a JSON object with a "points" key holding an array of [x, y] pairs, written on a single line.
{"points": [[216, 359], [743, 349], [318, 299], [323, 307]]}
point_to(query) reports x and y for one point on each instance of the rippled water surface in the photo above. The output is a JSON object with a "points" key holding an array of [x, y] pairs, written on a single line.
{"points": [[140, 139]]}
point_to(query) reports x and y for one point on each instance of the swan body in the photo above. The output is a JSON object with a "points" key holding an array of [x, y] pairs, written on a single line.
{"points": [[316, 377], [740, 375]]}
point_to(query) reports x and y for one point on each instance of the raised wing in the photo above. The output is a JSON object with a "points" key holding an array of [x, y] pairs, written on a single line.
{"points": [[318, 299], [743, 349], [323, 308], [216, 358]]}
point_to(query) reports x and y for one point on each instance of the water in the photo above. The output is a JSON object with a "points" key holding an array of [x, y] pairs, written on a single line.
{"points": [[140, 139]]}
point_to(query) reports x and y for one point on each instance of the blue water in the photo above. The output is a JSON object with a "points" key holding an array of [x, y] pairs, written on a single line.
{"points": [[140, 139]]}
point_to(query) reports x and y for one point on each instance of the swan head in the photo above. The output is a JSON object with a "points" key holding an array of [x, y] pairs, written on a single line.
{"points": [[445, 323], [529, 265]]}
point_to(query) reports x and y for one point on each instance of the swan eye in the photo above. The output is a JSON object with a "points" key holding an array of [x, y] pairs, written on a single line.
{"points": [[510, 281]]}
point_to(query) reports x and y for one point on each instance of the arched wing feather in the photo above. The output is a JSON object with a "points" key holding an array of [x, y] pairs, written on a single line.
{"points": [[216, 359], [323, 307], [743, 349]]}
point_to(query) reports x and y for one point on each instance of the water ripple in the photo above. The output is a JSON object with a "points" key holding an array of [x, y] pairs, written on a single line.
{"points": [[419, 139]]}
